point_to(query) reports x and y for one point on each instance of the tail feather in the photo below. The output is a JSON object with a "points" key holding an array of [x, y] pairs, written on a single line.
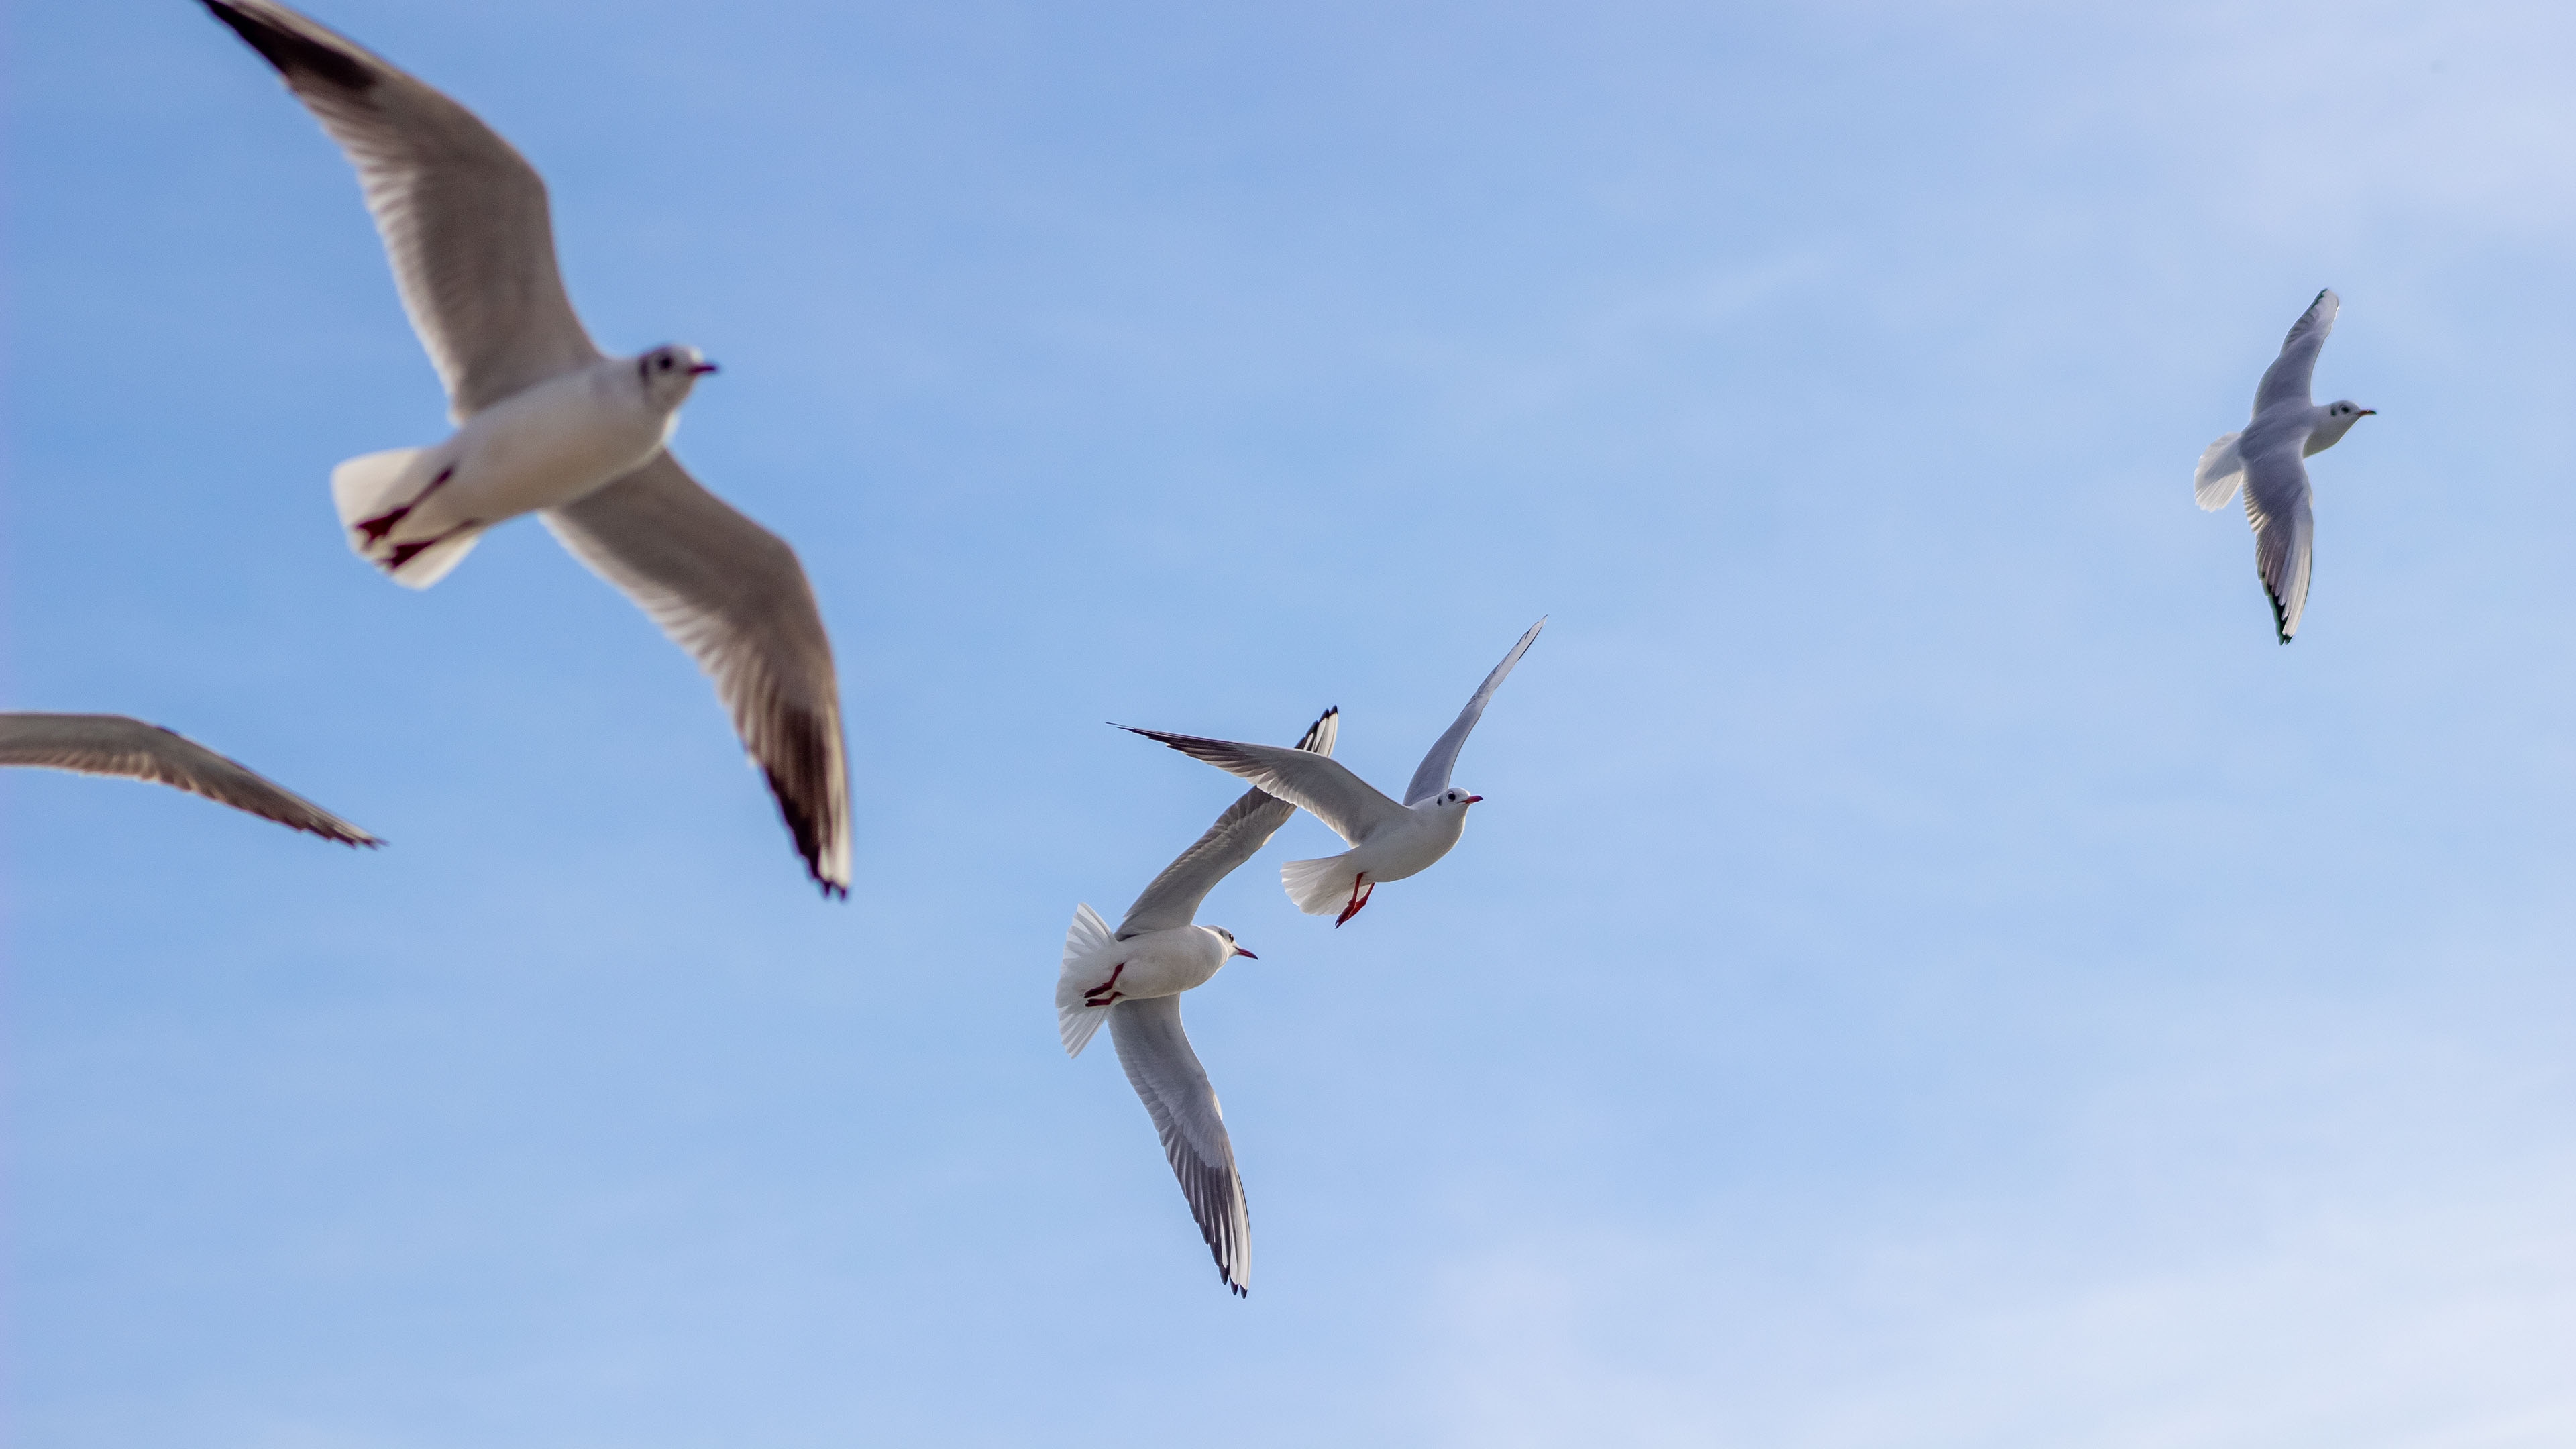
{"points": [[1086, 940], [369, 491], [2221, 470], [1320, 887]]}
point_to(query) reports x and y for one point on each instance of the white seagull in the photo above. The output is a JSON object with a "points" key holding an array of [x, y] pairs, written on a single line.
{"points": [[2264, 458], [112, 744], [1388, 841], [547, 424], [1134, 978]]}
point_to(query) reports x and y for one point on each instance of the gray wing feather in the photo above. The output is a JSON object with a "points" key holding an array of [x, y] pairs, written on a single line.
{"points": [[1432, 776], [1172, 900], [732, 594], [2288, 378], [463, 216], [2276, 503], [1167, 1075], [111, 744], [1321, 787]]}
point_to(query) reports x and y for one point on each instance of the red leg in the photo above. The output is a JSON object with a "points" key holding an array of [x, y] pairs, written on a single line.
{"points": [[1361, 890], [383, 523], [405, 552], [1101, 995]]}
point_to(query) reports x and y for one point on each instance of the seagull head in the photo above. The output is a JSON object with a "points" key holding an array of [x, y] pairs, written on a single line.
{"points": [[667, 374], [2335, 420], [1452, 800], [1232, 949]]}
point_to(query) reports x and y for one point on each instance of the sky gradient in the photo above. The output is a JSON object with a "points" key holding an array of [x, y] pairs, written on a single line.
{"points": [[1929, 969]]}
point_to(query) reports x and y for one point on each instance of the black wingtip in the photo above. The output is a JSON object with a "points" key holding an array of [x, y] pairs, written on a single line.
{"points": [[290, 52], [801, 778], [2280, 616]]}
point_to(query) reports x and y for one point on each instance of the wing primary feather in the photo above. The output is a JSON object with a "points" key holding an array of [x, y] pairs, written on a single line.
{"points": [[1167, 1077], [1321, 787], [463, 216], [2290, 377], [1172, 899], [110, 744], [733, 596], [2277, 507], [1432, 776], [290, 52]]}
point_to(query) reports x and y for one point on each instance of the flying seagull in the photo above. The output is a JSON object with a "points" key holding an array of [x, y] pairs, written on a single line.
{"points": [[547, 424], [1388, 841], [1133, 978], [111, 744], [2264, 458]]}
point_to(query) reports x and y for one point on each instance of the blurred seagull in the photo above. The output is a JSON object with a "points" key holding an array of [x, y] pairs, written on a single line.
{"points": [[548, 424], [2265, 460], [1134, 979], [1388, 841], [111, 744]]}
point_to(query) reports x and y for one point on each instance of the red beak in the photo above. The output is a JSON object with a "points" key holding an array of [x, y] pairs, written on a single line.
{"points": [[1239, 951], [1472, 799], [702, 369]]}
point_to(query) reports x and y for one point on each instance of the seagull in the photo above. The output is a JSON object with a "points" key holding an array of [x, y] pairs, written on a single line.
{"points": [[2264, 458], [548, 424], [1388, 841], [111, 744], [1133, 979]]}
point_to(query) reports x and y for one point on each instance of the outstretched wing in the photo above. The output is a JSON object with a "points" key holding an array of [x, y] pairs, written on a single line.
{"points": [[1172, 900], [1432, 776], [731, 593], [2276, 503], [2287, 379], [111, 744], [1321, 787], [1167, 1075], [463, 216]]}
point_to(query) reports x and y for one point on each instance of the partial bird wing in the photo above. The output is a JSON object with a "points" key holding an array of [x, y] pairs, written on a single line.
{"points": [[1321, 787], [1173, 899], [2276, 503], [463, 216], [2287, 379], [1432, 776], [111, 744], [1167, 1075], [732, 594]]}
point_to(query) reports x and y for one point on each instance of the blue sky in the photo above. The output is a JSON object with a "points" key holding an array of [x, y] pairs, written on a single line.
{"points": [[1929, 971]]}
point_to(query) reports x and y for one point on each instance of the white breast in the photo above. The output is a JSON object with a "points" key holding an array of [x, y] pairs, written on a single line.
{"points": [[554, 443], [1166, 963], [1411, 847]]}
